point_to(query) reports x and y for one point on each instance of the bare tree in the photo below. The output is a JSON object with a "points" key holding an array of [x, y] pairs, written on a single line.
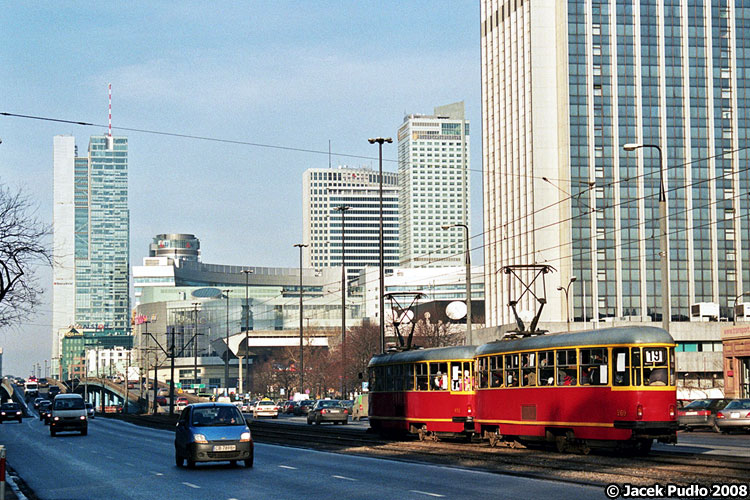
{"points": [[438, 334], [22, 247]]}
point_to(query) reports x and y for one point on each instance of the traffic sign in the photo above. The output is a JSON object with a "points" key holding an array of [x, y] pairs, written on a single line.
{"points": [[197, 386]]}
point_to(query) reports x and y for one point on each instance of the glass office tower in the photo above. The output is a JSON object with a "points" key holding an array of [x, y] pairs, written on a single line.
{"points": [[566, 84], [91, 225]]}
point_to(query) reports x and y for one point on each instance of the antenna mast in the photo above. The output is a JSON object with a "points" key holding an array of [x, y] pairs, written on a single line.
{"points": [[110, 110]]}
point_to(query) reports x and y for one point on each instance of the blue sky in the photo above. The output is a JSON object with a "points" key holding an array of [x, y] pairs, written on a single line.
{"points": [[294, 74]]}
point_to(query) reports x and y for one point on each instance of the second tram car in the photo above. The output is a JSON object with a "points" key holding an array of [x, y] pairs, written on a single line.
{"points": [[429, 392], [579, 390]]}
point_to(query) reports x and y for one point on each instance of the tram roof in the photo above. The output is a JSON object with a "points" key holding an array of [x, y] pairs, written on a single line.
{"points": [[604, 336], [432, 354]]}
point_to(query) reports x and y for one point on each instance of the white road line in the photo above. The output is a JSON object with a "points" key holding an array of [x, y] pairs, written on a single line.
{"points": [[427, 493], [129, 464], [343, 477], [157, 473], [191, 485], [287, 467]]}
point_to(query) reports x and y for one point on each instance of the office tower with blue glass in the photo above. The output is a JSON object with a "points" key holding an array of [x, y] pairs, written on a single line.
{"points": [[91, 242], [566, 85]]}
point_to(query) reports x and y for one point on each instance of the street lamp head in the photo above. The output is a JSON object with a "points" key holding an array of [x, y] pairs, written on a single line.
{"points": [[572, 279], [448, 226], [380, 140], [248, 271], [559, 288], [342, 208], [632, 146]]}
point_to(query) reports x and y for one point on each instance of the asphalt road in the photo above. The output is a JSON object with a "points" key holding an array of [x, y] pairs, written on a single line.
{"points": [[120, 460]]}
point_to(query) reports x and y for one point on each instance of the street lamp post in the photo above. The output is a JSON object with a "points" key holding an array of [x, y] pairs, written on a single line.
{"points": [[343, 209], [380, 141], [301, 318], [196, 379], [567, 304], [247, 273], [226, 356], [734, 307], [469, 339], [663, 242]]}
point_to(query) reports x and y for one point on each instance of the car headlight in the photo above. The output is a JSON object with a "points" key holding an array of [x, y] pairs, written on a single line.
{"points": [[245, 437], [3, 413], [83, 417], [56, 419], [200, 438]]}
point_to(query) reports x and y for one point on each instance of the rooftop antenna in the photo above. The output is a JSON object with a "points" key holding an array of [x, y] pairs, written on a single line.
{"points": [[329, 153], [110, 110]]}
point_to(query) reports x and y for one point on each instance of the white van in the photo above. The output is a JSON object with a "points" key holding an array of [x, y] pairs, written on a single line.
{"points": [[68, 414]]}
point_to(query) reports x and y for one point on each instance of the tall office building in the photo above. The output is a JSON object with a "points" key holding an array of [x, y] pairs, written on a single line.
{"points": [[91, 241], [325, 189], [433, 174], [565, 85]]}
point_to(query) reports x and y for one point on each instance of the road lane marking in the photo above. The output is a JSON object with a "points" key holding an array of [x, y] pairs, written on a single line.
{"points": [[427, 493], [287, 467], [191, 485], [343, 477], [129, 464], [157, 473]]}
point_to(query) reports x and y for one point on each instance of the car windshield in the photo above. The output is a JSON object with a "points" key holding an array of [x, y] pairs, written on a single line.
{"points": [[698, 405], [266, 403], [329, 404], [739, 404], [9, 406], [217, 416], [69, 404]]}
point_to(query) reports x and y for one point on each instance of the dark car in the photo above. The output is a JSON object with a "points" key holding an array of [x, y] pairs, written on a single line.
{"points": [[53, 391], [90, 410], [212, 432], [288, 407], [37, 401], [734, 416], [700, 413], [328, 410], [45, 409], [10, 411], [303, 407]]}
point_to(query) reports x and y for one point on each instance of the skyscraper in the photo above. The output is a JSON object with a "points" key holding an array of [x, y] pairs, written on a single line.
{"points": [[91, 247], [325, 189], [433, 174], [565, 85]]}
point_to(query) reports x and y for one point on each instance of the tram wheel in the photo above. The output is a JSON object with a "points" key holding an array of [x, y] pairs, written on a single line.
{"points": [[422, 434], [561, 443], [643, 446]]}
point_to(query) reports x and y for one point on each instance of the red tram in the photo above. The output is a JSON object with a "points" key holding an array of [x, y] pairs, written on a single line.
{"points": [[579, 390], [428, 392]]}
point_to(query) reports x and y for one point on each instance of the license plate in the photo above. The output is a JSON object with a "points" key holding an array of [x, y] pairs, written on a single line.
{"points": [[691, 413], [335, 411], [225, 447], [735, 414]]}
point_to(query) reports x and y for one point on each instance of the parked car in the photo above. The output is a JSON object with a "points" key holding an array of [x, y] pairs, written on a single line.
{"points": [[735, 415], [361, 406], [328, 410], [265, 408], [303, 407], [68, 413], [11, 411], [90, 411], [700, 413], [212, 432]]}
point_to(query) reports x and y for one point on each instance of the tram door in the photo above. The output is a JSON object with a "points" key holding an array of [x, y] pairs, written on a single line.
{"points": [[745, 380]]}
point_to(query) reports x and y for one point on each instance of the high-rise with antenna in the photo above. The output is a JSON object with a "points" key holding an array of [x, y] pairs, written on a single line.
{"points": [[109, 136]]}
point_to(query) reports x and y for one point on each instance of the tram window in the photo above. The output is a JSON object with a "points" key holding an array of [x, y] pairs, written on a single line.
{"points": [[398, 378], [546, 368], [593, 370], [372, 379], [439, 376], [635, 363], [655, 364], [482, 372], [511, 370], [422, 377], [528, 369], [389, 378], [621, 366], [409, 381], [461, 376], [566, 367], [496, 367]]}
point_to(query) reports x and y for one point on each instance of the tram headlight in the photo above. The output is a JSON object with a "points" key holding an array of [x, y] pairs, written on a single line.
{"points": [[639, 412]]}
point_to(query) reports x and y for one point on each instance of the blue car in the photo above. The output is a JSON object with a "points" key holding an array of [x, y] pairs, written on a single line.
{"points": [[212, 432]]}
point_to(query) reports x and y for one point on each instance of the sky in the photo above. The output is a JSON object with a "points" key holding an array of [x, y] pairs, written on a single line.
{"points": [[288, 74]]}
